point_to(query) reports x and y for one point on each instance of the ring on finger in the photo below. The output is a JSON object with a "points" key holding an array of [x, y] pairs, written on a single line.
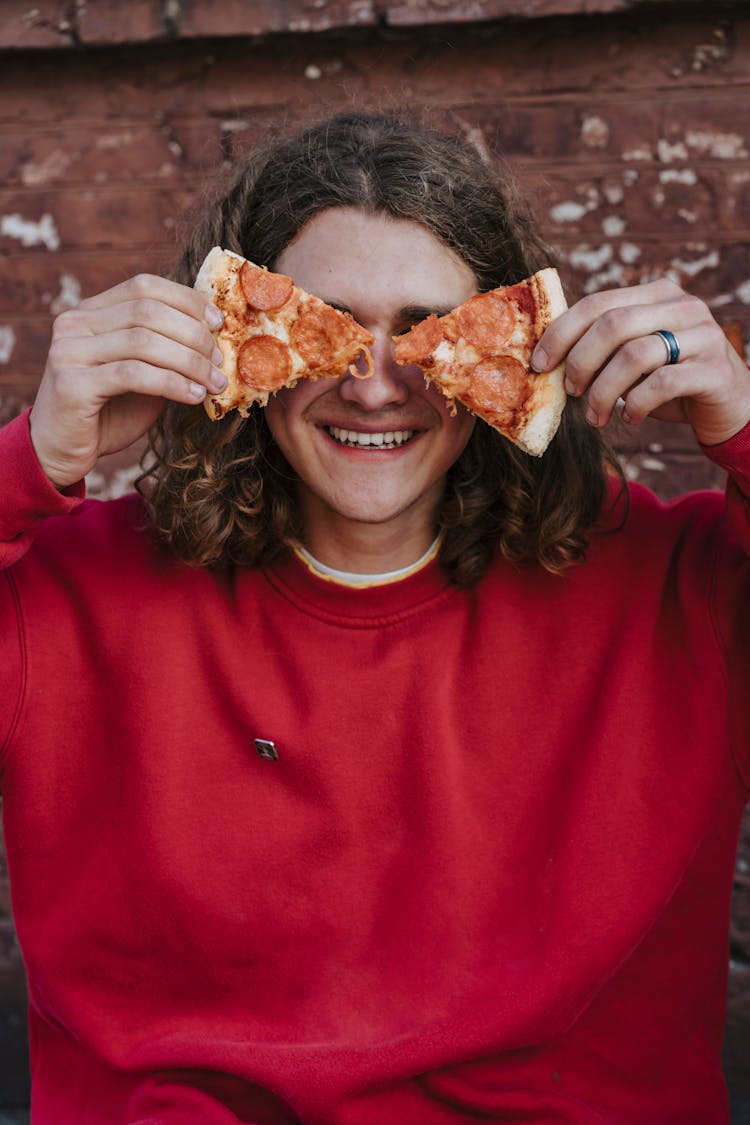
{"points": [[670, 343]]}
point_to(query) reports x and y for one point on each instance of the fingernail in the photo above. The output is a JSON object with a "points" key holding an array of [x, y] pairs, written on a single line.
{"points": [[539, 359], [218, 379], [217, 358], [197, 390], [214, 316], [592, 416]]}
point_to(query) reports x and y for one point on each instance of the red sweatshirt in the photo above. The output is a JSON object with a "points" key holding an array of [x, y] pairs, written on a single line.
{"points": [[487, 876]]}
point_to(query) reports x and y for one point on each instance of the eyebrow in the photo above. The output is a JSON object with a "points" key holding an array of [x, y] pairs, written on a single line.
{"points": [[408, 312]]}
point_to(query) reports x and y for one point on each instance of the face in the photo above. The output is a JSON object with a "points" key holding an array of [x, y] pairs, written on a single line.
{"points": [[361, 489]]}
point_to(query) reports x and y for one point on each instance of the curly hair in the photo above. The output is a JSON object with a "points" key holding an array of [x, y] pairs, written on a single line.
{"points": [[222, 493]]}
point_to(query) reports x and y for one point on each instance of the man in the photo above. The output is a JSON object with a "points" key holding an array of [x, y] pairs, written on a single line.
{"points": [[369, 781]]}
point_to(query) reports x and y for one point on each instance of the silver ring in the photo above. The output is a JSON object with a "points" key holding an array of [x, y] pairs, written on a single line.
{"points": [[670, 343]]}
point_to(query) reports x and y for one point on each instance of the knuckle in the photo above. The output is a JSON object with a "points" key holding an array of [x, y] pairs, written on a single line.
{"points": [[66, 323], [666, 383], [635, 353], [196, 366], [612, 321], [573, 369], [139, 339], [143, 284], [144, 311]]}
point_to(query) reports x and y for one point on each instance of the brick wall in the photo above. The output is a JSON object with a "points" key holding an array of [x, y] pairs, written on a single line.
{"points": [[628, 124]]}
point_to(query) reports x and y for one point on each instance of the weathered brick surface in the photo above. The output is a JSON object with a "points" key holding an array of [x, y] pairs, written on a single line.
{"points": [[629, 134]]}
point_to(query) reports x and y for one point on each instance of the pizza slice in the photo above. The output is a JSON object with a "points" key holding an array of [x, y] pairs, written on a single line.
{"points": [[274, 333], [479, 355]]}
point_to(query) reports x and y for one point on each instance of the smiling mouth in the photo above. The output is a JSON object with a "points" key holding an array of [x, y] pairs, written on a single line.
{"points": [[355, 439]]}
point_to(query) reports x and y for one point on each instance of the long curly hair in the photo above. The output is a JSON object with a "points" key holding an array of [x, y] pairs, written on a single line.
{"points": [[222, 493]]}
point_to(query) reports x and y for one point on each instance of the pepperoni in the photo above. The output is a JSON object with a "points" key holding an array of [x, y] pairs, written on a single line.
{"points": [[498, 389], [486, 321], [264, 363], [264, 290], [319, 335], [420, 343]]}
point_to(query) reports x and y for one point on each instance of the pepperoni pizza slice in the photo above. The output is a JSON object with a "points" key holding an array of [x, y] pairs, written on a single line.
{"points": [[274, 333], [479, 355]]}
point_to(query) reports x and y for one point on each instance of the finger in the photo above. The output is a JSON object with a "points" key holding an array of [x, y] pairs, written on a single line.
{"points": [[144, 345], [133, 376], [616, 328], [151, 287], [568, 329], [667, 385], [636, 361], [141, 313]]}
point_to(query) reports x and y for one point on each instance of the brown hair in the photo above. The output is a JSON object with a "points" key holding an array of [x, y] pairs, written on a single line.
{"points": [[221, 492]]}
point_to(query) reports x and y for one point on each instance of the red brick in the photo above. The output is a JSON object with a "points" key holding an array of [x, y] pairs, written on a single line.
{"points": [[95, 217], [24, 367], [114, 22], [13, 401], [28, 24], [116, 153], [29, 287], [237, 17]]}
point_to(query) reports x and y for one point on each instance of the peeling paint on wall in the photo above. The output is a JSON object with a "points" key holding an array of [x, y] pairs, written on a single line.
{"points": [[7, 343], [31, 233], [722, 146], [69, 295], [37, 173]]}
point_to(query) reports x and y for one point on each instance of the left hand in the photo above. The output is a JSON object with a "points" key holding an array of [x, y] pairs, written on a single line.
{"points": [[607, 342]]}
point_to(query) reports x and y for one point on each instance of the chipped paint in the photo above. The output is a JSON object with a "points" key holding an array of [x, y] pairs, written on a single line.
{"points": [[668, 152], [69, 295], [31, 233], [614, 276], [690, 269], [614, 194], [633, 154], [629, 253], [653, 464], [743, 292], [655, 447], [568, 212], [587, 259], [107, 142], [594, 131], [313, 72], [721, 146], [678, 176], [234, 124], [688, 216], [613, 225], [7, 343], [38, 173]]}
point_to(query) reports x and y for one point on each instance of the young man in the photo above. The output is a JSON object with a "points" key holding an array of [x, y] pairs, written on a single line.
{"points": [[360, 781]]}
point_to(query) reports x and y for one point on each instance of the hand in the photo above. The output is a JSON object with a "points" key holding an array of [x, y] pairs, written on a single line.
{"points": [[610, 351], [113, 363]]}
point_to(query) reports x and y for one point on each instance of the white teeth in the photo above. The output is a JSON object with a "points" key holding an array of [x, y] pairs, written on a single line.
{"points": [[388, 439]]}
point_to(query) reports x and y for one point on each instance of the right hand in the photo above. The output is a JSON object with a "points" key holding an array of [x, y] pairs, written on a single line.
{"points": [[113, 363]]}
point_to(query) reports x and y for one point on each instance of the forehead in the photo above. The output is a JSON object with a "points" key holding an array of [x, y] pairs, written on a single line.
{"points": [[354, 258]]}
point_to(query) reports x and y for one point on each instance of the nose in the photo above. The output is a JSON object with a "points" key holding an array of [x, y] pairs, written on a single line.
{"points": [[387, 386]]}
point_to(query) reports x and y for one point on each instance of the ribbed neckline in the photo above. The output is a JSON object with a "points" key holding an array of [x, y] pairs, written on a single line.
{"points": [[357, 607]]}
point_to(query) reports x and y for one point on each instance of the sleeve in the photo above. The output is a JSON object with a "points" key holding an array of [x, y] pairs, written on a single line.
{"points": [[732, 590], [27, 496]]}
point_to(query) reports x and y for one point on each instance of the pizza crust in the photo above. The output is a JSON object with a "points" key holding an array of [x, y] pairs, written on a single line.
{"points": [[479, 354], [548, 396]]}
